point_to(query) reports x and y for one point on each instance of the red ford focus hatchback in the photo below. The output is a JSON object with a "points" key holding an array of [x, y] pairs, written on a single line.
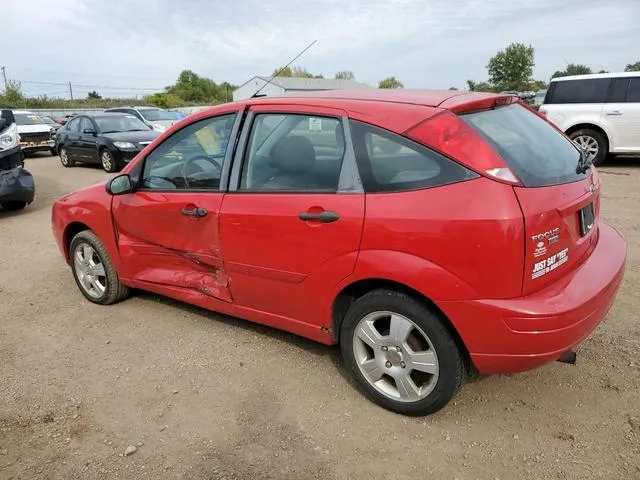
{"points": [[429, 233]]}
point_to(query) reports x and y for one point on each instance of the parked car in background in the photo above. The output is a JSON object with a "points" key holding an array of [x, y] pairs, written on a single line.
{"points": [[177, 115], [600, 112], [51, 122], [428, 233], [35, 134], [109, 139], [156, 118], [538, 99], [17, 188]]}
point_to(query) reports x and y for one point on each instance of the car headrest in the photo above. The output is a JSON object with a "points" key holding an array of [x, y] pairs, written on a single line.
{"points": [[293, 154]]}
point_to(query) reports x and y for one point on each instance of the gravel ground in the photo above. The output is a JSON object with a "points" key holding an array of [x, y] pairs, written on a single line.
{"points": [[200, 396]]}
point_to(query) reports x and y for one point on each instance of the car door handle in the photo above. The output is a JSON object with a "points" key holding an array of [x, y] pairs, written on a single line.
{"points": [[195, 212], [324, 217], [614, 113]]}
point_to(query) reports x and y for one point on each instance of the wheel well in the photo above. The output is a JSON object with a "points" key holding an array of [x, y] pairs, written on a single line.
{"points": [[356, 290], [589, 126], [71, 231]]}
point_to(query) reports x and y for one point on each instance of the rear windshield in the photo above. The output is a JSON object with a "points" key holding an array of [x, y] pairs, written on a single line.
{"points": [[535, 151]]}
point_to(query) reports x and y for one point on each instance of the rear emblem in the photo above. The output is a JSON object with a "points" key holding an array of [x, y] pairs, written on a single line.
{"points": [[551, 236]]}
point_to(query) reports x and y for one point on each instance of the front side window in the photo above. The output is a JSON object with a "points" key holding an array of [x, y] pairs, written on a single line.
{"points": [[578, 91], [155, 114], [191, 158], [390, 163], [85, 124], [293, 153]]}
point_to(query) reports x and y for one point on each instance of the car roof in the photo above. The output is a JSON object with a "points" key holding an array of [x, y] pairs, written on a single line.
{"points": [[24, 112], [425, 97], [105, 115], [591, 76]]}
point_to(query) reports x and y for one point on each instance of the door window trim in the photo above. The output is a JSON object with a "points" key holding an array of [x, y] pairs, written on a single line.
{"points": [[138, 169], [349, 181]]}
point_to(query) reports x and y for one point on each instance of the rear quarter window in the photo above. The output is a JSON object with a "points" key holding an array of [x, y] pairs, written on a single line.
{"points": [[391, 163], [536, 152], [578, 91]]}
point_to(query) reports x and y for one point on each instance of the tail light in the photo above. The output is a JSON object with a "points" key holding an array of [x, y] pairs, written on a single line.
{"points": [[448, 134]]}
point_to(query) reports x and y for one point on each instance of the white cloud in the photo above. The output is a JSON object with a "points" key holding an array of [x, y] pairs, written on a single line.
{"points": [[424, 43]]}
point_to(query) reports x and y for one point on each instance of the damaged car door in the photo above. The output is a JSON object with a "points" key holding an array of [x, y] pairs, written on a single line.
{"points": [[167, 230]]}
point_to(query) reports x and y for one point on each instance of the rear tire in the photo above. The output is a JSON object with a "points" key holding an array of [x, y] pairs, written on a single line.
{"points": [[65, 159], [13, 206], [400, 353], [93, 270], [594, 142]]}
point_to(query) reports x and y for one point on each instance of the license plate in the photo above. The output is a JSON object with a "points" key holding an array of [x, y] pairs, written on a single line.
{"points": [[587, 219]]}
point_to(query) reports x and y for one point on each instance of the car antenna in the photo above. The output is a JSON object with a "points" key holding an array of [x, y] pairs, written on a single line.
{"points": [[281, 70]]}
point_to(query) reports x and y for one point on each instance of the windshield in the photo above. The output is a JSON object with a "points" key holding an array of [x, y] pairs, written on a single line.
{"points": [[27, 119], [153, 114], [48, 120], [536, 152], [124, 123]]}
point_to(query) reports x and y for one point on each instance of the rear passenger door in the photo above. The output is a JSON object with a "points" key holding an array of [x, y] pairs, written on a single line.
{"points": [[291, 221], [72, 133], [621, 114], [572, 102]]}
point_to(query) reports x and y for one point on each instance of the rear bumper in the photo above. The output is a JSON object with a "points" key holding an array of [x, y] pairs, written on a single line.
{"points": [[523, 333]]}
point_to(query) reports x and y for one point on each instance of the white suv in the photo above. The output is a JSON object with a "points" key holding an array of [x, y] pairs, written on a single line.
{"points": [[599, 112]]}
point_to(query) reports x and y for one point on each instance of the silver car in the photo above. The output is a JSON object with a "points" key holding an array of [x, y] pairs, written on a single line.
{"points": [[156, 118]]}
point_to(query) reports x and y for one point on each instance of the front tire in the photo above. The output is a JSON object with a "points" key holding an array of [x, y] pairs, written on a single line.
{"points": [[108, 161], [593, 142], [65, 160], [400, 353], [93, 270]]}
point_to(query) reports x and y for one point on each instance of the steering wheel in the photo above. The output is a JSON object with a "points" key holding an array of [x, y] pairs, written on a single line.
{"points": [[200, 174]]}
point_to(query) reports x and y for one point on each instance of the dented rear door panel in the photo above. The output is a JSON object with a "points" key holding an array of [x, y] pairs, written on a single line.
{"points": [[159, 244]]}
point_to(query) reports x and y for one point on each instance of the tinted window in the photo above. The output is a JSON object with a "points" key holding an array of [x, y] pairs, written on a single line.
{"points": [[153, 114], [633, 94], [578, 91], [389, 163], [293, 153], [536, 152], [191, 158], [618, 90]]}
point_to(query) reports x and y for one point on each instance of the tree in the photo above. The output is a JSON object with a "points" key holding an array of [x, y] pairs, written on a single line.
{"points": [[345, 75], [13, 96], [390, 82], [193, 88], [511, 68], [573, 69], [298, 72], [94, 95], [633, 67], [471, 85], [453, 88]]}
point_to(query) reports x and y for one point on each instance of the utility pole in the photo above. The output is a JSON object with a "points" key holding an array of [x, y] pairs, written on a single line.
{"points": [[70, 91], [4, 75]]}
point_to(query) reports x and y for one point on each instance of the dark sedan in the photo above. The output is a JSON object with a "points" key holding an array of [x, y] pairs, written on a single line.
{"points": [[110, 139]]}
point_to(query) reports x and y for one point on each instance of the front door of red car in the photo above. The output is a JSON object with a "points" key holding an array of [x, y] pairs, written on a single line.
{"points": [[168, 228], [290, 225]]}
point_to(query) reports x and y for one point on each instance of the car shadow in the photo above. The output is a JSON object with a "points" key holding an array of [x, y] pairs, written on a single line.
{"points": [[626, 161]]}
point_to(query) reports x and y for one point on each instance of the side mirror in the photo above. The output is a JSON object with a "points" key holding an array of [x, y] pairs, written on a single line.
{"points": [[89, 131], [119, 185]]}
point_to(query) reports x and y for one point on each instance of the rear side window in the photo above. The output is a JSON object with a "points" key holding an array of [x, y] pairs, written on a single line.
{"points": [[536, 152], [578, 91], [618, 90], [633, 94], [391, 163]]}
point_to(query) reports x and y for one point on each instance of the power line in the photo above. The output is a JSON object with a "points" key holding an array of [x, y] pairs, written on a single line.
{"points": [[104, 87]]}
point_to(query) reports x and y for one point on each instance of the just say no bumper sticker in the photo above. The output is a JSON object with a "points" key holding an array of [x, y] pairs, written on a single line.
{"points": [[550, 263]]}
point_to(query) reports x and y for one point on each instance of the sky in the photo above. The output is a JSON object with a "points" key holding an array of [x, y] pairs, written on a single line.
{"points": [[134, 47]]}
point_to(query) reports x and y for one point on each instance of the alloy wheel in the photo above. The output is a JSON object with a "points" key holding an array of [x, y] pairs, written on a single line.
{"points": [[107, 161], [90, 270], [64, 158], [395, 356], [588, 144]]}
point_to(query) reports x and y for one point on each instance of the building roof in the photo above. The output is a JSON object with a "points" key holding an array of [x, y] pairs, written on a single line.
{"points": [[299, 83]]}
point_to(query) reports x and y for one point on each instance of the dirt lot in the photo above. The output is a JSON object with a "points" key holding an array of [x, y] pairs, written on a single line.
{"points": [[205, 397]]}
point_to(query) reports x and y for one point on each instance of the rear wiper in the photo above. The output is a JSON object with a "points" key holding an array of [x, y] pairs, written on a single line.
{"points": [[584, 163]]}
